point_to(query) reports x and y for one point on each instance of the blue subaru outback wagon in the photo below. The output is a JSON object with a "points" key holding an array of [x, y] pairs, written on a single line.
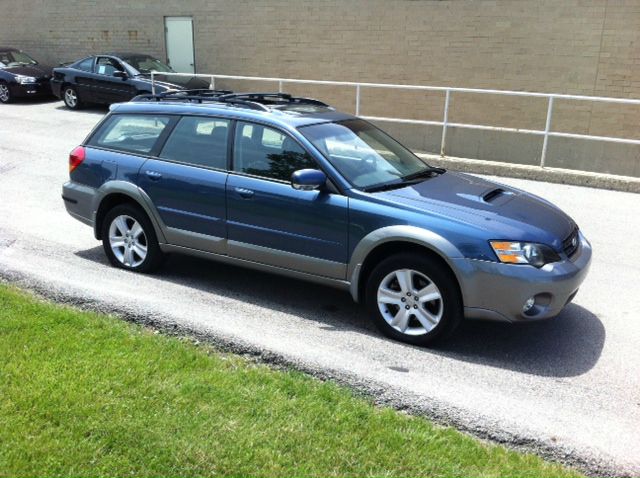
{"points": [[292, 186]]}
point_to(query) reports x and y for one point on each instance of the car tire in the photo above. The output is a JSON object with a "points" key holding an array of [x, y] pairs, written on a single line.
{"points": [[129, 239], [414, 298], [71, 98], [5, 93]]}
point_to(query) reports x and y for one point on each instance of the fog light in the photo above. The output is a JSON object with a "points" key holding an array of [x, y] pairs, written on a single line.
{"points": [[530, 302]]}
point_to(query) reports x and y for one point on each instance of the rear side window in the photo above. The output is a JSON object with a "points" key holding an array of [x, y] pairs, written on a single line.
{"points": [[263, 151], [85, 65], [198, 141], [132, 133]]}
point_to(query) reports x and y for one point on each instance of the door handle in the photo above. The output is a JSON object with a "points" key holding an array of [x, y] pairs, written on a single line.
{"points": [[153, 175], [245, 193]]}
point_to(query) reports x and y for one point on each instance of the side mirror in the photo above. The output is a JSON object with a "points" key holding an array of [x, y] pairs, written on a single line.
{"points": [[308, 179], [120, 74]]}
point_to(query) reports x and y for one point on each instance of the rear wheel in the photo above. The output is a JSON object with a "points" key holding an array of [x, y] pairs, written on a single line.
{"points": [[414, 299], [129, 239], [71, 98], [5, 93]]}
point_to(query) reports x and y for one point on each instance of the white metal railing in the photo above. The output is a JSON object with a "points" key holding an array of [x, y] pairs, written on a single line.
{"points": [[445, 123]]}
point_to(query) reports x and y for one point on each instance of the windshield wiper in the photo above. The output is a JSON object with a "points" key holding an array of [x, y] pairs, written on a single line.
{"points": [[425, 173], [407, 180]]}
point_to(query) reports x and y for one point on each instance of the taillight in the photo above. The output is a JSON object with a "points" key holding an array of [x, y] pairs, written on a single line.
{"points": [[76, 157]]}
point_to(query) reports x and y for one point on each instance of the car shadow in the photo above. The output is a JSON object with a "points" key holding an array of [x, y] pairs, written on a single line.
{"points": [[567, 346], [89, 109]]}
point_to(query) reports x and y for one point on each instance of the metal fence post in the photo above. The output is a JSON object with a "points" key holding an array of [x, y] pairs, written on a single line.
{"points": [[358, 100], [547, 128], [443, 142]]}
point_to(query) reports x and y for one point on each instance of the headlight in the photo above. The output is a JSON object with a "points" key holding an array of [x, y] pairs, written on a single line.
{"points": [[25, 79], [536, 255]]}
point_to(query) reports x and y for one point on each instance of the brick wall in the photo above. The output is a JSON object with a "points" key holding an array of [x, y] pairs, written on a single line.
{"points": [[587, 47]]}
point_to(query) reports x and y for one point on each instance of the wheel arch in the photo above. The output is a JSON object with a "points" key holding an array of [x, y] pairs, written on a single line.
{"points": [[121, 192], [382, 243]]}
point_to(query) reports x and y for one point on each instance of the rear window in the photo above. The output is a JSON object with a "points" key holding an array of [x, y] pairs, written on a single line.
{"points": [[85, 65], [131, 133]]}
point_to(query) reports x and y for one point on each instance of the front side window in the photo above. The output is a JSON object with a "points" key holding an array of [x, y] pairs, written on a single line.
{"points": [[132, 133], [198, 141], [364, 154], [108, 66], [86, 65], [267, 152]]}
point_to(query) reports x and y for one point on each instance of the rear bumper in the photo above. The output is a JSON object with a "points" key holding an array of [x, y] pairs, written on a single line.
{"points": [[56, 88], [497, 291], [78, 200]]}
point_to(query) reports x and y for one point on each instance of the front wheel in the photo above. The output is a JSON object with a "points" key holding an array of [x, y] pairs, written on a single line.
{"points": [[414, 298], [129, 239], [71, 98], [5, 93]]}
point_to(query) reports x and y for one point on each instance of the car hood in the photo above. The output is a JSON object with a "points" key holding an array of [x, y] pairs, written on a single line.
{"points": [[502, 211], [37, 71]]}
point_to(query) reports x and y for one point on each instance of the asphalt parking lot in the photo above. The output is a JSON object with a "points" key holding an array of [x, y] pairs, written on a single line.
{"points": [[569, 388]]}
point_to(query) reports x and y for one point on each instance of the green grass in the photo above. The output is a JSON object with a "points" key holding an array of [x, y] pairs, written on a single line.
{"points": [[84, 394]]}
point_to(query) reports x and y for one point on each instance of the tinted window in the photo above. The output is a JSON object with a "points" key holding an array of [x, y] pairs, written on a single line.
{"points": [[201, 141], [134, 133], [264, 151], [85, 65], [108, 66]]}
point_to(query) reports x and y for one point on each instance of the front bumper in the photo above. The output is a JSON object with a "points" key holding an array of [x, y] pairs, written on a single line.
{"points": [[19, 90], [497, 291]]}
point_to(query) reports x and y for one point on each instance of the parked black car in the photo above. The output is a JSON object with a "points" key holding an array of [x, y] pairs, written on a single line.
{"points": [[114, 77], [21, 75]]}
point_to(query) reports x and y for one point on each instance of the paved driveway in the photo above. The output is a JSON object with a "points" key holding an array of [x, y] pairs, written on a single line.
{"points": [[568, 387]]}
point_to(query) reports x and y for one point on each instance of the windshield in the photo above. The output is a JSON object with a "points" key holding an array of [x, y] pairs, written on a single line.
{"points": [[15, 58], [147, 64], [365, 155]]}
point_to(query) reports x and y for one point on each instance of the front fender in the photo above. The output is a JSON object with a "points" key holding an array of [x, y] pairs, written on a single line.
{"points": [[399, 233], [136, 194]]}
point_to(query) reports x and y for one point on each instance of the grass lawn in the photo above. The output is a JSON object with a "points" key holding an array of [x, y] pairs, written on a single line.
{"points": [[84, 394]]}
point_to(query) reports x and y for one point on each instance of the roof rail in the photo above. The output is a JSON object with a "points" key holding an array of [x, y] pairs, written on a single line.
{"points": [[254, 101]]}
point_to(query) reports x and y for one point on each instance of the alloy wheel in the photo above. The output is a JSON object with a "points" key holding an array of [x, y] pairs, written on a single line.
{"points": [[5, 94], [410, 302], [128, 241], [71, 98]]}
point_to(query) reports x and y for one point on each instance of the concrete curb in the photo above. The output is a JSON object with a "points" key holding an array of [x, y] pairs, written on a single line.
{"points": [[522, 171]]}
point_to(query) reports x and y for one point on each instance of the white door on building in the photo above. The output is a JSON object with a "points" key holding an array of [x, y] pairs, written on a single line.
{"points": [[179, 38]]}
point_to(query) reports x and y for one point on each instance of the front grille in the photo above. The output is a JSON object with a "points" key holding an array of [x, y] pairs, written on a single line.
{"points": [[571, 243]]}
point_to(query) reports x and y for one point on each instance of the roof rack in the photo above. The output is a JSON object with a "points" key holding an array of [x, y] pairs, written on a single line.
{"points": [[254, 101], [272, 99]]}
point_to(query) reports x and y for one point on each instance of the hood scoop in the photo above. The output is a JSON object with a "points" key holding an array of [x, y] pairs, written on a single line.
{"points": [[493, 194]]}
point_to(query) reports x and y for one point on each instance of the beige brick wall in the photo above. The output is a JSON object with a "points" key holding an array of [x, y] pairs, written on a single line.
{"points": [[589, 47]]}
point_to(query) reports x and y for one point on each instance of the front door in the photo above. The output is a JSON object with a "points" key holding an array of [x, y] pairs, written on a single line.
{"points": [[187, 183], [272, 223], [179, 38]]}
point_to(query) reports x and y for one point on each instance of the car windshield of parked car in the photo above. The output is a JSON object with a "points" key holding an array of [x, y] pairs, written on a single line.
{"points": [[365, 155], [147, 64], [16, 58]]}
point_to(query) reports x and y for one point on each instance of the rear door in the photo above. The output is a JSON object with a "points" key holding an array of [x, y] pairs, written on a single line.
{"points": [[187, 181], [272, 223]]}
